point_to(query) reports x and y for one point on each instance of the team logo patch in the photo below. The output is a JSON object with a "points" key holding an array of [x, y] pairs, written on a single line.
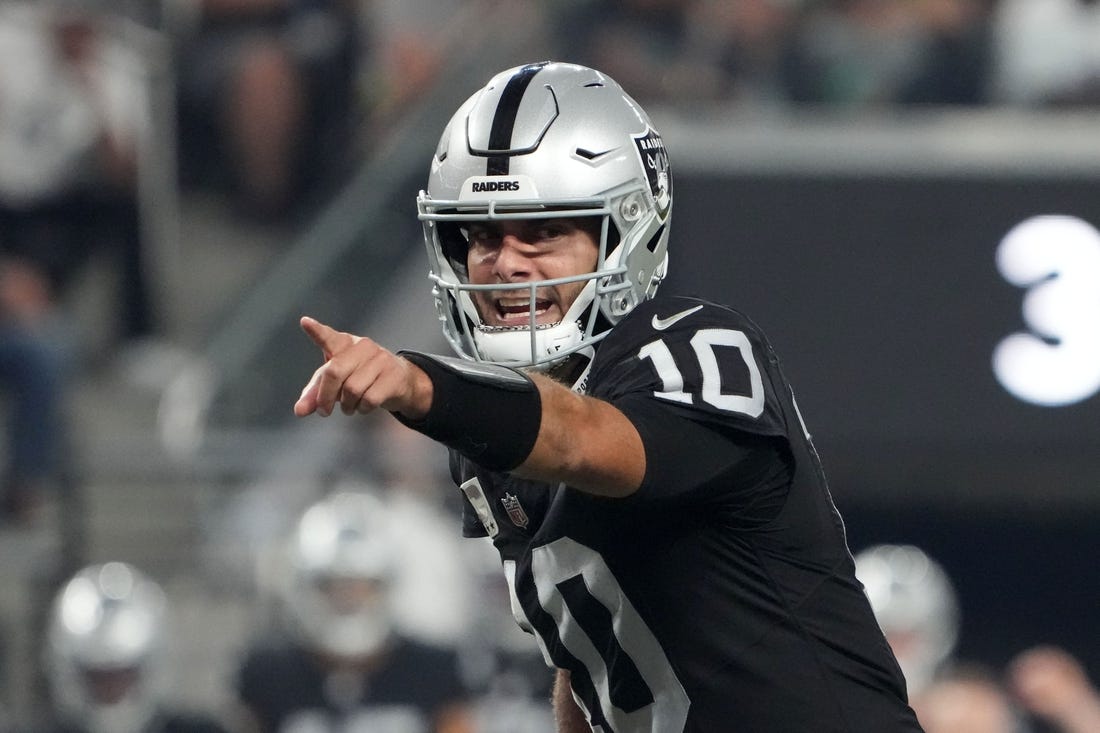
{"points": [[515, 510], [651, 150]]}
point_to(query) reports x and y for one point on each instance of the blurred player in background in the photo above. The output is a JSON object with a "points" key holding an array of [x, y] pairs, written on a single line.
{"points": [[915, 605], [339, 663], [107, 657]]}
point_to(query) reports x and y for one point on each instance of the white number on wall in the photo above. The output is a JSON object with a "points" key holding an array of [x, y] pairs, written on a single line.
{"points": [[1057, 258]]}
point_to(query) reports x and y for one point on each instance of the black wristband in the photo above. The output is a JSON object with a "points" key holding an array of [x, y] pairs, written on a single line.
{"points": [[488, 413]]}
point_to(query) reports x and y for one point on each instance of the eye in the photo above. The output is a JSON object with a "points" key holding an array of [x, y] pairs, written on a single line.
{"points": [[552, 230], [478, 234]]}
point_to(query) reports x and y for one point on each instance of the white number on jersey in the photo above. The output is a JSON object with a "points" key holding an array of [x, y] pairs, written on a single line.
{"points": [[566, 566], [703, 343]]}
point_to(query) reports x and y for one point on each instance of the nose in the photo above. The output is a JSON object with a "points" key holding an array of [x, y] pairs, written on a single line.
{"points": [[511, 263]]}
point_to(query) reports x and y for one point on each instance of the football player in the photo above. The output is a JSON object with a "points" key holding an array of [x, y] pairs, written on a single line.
{"points": [[339, 662], [916, 606], [106, 657], [638, 461]]}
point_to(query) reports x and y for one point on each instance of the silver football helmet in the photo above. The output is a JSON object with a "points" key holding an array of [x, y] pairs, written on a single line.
{"points": [[548, 140], [342, 562], [104, 648], [915, 605]]}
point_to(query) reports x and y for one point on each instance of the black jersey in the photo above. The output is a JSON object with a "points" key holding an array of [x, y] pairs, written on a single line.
{"points": [[721, 596], [289, 692]]}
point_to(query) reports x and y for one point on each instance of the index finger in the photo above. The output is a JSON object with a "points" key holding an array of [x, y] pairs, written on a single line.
{"points": [[326, 337]]}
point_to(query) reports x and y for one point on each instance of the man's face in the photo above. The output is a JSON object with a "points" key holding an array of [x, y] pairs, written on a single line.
{"points": [[518, 251]]}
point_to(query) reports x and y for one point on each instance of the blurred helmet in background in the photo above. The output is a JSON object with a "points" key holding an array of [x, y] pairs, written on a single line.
{"points": [[104, 650], [548, 140], [915, 605], [342, 561]]}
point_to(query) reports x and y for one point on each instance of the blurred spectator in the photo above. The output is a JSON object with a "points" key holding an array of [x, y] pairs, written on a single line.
{"points": [[1047, 51], [846, 53], [266, 97], [646, 45], [748, 43], [74, 120], [915, 605], [1054, 687], [955, 66], [34, 365], [876, 53], [406, 53], [856, 53], [107, 657], [968, 699], [74, 116], [339, 662]]}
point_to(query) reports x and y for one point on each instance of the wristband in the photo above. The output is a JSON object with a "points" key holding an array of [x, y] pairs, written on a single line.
{"points": [[488, 413]]}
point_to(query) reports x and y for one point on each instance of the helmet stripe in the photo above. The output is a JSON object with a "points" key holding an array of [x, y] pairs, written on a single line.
{"points": [[504, 120]]}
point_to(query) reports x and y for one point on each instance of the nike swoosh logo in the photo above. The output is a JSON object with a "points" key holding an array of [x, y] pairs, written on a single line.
{"points": [[662, 323]]}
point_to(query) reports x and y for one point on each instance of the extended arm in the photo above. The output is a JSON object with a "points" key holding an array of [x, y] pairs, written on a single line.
{"points": [[586, 442], [582, 441]]}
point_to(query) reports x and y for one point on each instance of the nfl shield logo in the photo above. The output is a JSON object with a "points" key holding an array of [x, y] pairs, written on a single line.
{"points": [[515, 510]]}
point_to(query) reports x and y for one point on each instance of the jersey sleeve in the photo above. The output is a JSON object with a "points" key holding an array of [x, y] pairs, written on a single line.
{"points": [[693, 359], [701, 386]]}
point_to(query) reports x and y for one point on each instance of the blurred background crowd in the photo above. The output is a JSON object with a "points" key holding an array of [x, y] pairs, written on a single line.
{"points": [[179, 179]]}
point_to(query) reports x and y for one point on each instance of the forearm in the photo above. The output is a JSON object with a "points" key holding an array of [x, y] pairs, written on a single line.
{"points": [[569, 716], [529, 425], [585, 442]]}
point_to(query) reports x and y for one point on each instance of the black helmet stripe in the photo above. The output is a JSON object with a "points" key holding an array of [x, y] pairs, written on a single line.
{"points": [[504, 120]]}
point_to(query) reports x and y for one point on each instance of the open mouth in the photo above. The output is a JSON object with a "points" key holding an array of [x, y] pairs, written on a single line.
{"points": [[516, 312]]}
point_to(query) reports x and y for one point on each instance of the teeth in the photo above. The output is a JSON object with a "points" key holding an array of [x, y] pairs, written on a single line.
{"points": [[524, 306], [516, 312]]}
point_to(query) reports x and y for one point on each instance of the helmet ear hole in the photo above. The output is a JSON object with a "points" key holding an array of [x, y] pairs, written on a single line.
{"points": [[613, 235]]}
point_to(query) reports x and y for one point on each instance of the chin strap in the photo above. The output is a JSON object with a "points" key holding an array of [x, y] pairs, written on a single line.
{"points": [[489, 413]]}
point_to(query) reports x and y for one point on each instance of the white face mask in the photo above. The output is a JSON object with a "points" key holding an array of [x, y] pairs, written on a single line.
{"points": [[128, 715], [552, 343], [514, 346], [351, 622], [354, 635]]}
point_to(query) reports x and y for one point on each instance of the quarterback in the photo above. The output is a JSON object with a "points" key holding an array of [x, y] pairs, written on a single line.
{"points": [[638, 460]]}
